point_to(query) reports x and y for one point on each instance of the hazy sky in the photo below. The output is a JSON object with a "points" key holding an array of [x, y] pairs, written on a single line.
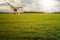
{"points": [[32, 5]]}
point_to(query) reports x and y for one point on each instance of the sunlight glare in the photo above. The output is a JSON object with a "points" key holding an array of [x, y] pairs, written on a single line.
{"points": [[47, 5]]}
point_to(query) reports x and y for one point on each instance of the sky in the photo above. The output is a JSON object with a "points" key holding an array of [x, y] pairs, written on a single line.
{"points": [[32, 5]]}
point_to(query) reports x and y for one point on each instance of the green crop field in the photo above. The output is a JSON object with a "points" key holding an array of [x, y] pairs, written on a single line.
{"points": [[30, 26]]}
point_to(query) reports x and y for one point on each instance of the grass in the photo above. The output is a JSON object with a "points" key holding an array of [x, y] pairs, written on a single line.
{"points": [[30, 26]]}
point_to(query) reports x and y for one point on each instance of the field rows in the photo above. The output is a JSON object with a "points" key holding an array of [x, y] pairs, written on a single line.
{"points": [[30, 27]]}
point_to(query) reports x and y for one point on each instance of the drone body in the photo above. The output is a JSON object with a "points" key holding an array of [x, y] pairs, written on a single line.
{"points": [[15, 8]]}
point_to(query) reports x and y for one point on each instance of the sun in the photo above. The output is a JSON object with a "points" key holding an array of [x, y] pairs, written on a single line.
{"points": [[47, 5]]}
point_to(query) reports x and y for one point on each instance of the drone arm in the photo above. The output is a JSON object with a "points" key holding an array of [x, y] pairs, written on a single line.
{"points": [[21, 6], [10, 5]]}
